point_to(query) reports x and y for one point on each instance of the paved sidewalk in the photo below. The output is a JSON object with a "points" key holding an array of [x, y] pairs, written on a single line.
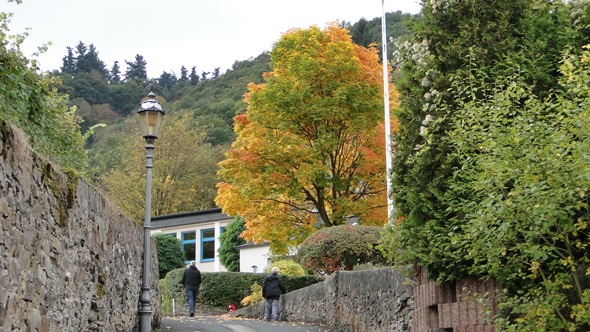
{"points": [[225, 323]]}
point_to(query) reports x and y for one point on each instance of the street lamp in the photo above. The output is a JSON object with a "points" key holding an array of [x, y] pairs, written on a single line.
{"points": [[150, 119]]}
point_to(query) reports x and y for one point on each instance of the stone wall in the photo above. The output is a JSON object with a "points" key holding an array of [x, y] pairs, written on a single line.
{"points": [[69, 261], [351, 301]]}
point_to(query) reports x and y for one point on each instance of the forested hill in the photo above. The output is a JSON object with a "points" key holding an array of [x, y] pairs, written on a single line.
{"points": [[104, 94]]}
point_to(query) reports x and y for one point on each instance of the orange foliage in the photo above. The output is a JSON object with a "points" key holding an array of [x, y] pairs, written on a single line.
{"points": [[312, 141]]}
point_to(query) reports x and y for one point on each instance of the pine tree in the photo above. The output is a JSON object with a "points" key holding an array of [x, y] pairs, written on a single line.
{"points": [[81, 61], [115, 74], [167, 80], [183, 74], [69, 64], [136, 69], [193, 77], [94, 63]]}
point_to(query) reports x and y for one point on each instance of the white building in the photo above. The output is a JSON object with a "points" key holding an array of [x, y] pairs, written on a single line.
{"points": [[199, 233], [254, 257]]}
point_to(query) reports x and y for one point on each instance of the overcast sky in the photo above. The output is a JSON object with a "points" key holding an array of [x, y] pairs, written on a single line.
{"points": [[171, 33]]}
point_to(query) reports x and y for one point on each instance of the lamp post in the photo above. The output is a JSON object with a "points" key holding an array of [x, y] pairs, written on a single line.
{"points": [[150, 119]]}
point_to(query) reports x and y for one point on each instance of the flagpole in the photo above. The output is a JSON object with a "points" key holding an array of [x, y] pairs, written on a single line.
{"points": [[388, 157]]}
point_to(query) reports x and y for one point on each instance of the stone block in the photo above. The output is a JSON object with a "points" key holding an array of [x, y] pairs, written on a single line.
{"points": [[455, 317], [444, 316]]}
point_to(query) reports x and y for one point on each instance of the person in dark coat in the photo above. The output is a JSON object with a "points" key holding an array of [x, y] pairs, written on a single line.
{"points": [[191, 280], [271, 291]]}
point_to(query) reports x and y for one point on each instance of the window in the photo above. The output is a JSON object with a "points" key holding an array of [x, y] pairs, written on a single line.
{"points": [[188, 240], [207, 245]]}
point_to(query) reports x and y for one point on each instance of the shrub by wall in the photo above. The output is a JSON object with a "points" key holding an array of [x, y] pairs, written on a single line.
{"points": [[340, 248]]}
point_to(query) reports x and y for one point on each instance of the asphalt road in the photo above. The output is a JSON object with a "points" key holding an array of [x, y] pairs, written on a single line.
{"points": [[225, 323]]}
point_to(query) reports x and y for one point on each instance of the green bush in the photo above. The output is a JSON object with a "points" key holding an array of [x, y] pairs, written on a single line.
{"points": [[225, 288], [170, 255], [340, 247], [221, 289], [288, 267], [170, 288]]}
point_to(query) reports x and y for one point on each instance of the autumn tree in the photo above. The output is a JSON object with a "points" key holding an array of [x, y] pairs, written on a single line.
{"points": [[311, 143], [183, 174]]}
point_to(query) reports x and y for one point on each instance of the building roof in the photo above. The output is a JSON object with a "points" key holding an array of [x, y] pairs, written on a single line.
{"points": [[189, 218], [252, 245]]}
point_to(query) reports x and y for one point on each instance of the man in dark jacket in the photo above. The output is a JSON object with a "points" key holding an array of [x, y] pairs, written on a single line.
{"points": [[191, 280], [271, 291]]}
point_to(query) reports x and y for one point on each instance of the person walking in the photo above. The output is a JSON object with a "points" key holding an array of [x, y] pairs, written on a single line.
{"points": [[272, 289], [191, 280]]}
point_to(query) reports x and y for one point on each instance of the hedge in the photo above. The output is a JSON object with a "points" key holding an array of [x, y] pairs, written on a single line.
{"points": [[220, 289]]}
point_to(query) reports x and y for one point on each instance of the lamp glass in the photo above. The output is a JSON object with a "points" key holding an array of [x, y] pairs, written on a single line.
{"points": [[150, 122]]}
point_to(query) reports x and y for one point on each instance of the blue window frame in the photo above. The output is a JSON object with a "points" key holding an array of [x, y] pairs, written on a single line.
{"points": [[208, 245], [189, 240]]}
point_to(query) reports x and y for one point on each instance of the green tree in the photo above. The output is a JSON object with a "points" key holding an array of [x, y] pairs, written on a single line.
{"points": [[193, 77], [340, 247], [366, 32], [229, 256], [136, 69], [183, 74], [167, 80], [217, 131], [115, 74], [487, 170], [170, 255], [91, 86], [460, 50], [87, 60], [530, 211], [216, 73], [311, 141], [69, 65], [125, 96]]}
